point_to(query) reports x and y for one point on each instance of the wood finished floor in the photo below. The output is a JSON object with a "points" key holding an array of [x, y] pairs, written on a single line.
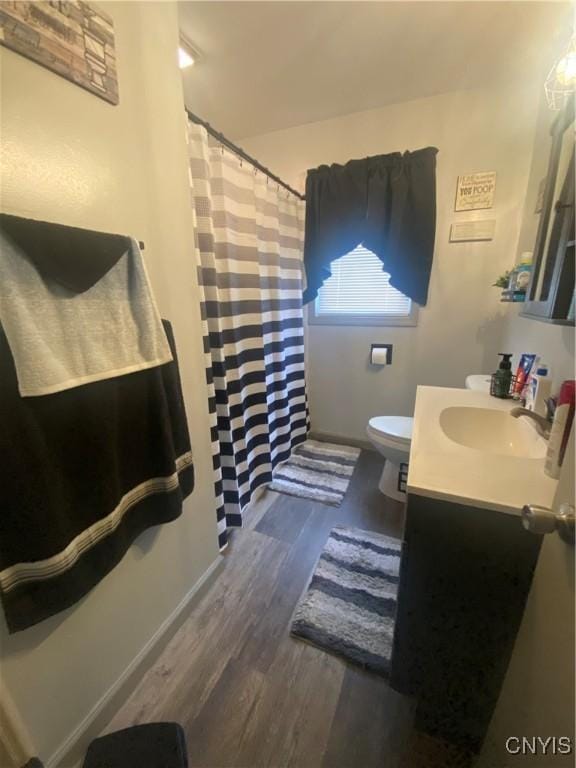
{"points": [[248, 694]]}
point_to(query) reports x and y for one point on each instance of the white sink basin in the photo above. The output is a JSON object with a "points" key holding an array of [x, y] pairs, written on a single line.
{"points": [[467, 449], [492, 431]]}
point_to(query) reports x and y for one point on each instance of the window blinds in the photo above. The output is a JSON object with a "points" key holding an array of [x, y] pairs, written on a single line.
{"points": [[359, 286]]}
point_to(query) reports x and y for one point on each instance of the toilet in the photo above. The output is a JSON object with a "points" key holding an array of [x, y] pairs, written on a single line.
{"points": [[392, 435]]}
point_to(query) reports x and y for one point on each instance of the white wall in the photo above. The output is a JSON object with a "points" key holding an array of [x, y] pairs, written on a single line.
{"points": [[72, 158], [554, 343], [459, 330]]}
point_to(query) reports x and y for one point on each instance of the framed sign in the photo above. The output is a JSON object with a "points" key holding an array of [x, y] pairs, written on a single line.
{"points": [[470, 231], [475, 191], [70, 37]]}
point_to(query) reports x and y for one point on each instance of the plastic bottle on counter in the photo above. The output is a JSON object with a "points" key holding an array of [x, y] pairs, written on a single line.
{"points": [[538, 389], [561, 426]]}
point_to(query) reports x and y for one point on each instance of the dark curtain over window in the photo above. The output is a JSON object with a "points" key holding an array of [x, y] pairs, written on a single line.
{"points": [[387, 203]]}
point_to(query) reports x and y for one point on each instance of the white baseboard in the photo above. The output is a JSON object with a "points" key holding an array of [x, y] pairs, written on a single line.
{"points": [[15, 744], [71, 752]]}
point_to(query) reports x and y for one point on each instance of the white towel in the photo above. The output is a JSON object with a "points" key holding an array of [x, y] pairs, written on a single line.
{"points": [[61, 339]]}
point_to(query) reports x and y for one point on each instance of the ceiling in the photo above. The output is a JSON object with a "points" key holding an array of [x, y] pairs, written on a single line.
{"points": [[271, 65]]}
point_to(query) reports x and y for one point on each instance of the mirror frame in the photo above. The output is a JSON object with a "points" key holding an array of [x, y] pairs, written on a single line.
{"points": [[555, 307]]}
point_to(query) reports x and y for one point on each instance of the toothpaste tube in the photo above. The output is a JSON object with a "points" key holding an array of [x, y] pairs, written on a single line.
{"points": [[522, 373]]}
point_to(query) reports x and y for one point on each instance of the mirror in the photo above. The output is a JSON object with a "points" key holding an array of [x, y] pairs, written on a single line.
{"points": [[551, 291]]}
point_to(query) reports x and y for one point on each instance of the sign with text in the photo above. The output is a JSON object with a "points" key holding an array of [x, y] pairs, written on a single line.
{"points": [[475, 191], [468, 231]]}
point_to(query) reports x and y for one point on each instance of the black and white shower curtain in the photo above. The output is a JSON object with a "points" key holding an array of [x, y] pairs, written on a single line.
{"points": [[249, 240]]}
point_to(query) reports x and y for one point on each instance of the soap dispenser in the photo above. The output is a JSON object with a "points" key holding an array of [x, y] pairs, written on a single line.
{"points": [[502, 379]]}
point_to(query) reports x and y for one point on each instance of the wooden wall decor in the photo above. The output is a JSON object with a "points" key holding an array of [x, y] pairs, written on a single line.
{"points": [[70, 37]]}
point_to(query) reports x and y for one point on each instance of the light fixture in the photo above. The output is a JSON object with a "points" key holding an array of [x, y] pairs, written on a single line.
{"points": [[561, 81], [187, 56]]}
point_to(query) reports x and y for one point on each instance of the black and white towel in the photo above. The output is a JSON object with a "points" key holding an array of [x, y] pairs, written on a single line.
{"points": [[83, 473], [76, 306]]}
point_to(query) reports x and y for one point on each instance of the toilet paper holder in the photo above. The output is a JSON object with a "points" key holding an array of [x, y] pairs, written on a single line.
{"points": [[387, 347]]}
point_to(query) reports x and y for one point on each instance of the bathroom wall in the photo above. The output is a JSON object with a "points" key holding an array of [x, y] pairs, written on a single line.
{"points": [[70, 157], [553, 342], [459, 330]]}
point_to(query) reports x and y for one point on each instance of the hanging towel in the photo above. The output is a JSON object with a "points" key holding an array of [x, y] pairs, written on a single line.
{"points": [[83, 473], [76, 306]]}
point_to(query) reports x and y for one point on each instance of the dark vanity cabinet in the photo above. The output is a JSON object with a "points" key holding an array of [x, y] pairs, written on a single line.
{"points": [[550, 296], [464, 580]]}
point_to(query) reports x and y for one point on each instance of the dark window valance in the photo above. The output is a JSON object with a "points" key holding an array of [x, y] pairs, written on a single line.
{"points": [[388, 204]]}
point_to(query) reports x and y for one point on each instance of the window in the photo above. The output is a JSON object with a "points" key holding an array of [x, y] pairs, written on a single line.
{"points": [[359, 293]]}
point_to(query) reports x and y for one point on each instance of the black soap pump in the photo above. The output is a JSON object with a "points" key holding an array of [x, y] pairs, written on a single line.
{"points": [[502, 379]]}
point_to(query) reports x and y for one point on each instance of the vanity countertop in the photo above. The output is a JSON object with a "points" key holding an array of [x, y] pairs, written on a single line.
{"points": [[445, 469]]}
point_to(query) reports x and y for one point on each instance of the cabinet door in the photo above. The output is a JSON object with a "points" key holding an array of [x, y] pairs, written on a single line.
{"points": [[465, 576]]}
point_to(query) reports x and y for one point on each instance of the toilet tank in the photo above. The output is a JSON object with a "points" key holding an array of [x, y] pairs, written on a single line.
{"points": [[478, 381]]}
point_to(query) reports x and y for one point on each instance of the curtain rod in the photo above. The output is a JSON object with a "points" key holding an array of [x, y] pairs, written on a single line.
{"points": [[240, 152]]}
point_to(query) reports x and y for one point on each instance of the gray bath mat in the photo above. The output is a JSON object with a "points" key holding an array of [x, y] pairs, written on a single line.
{"points": [[350, 605], [317, 471]]}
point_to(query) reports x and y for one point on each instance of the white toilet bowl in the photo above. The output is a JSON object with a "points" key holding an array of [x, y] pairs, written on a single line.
{"points": [[391, 436]]}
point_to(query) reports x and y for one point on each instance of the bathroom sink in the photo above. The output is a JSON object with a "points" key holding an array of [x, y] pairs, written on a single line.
{"points": [[467, 449], [492, 431]]}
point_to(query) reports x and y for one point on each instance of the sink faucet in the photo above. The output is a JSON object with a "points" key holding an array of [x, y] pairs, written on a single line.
{"points": [[540, 422]]}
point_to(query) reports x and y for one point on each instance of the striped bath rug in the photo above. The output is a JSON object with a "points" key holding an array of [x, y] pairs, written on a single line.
{"points": [[350, 605], [317, 471]]}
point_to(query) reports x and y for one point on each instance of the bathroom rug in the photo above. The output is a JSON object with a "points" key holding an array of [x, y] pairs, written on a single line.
{"points": [[349, 607], [316, 471]]}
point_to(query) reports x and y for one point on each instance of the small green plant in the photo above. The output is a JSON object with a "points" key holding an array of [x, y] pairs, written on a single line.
{"points": [[503, 280]]}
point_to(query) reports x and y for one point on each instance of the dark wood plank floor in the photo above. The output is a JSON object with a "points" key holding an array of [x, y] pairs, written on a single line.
{"points": [[245, 691]]}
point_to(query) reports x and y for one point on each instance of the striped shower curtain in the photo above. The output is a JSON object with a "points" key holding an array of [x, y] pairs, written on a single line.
{"points": [[249, 237]]}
